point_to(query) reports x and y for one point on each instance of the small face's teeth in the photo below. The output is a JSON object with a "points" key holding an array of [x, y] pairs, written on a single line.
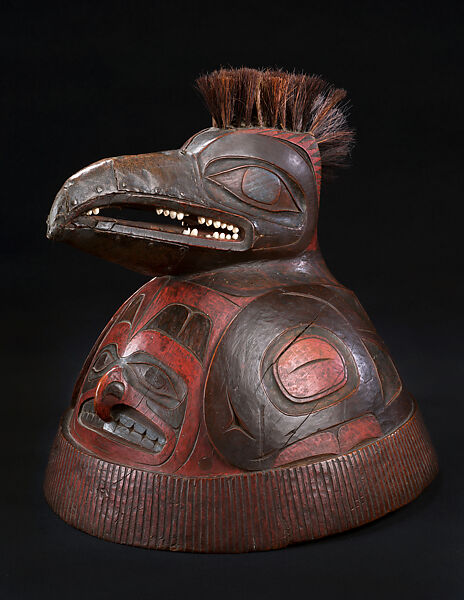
{"points": [[109, 426], [216, 235], [217, 224], [201, 220], [96, 211], [165, 212], [194, 232], [228, 236], [209, 222], [89, 213], [180, 216], [159, 211], [186, 231], [222, 236], [223, 225], [235, 236], [235, 230], [230, 227], [173, 214]]}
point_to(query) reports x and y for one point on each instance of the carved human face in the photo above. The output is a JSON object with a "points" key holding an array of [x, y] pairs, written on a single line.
{"points": [[227, 196], [139, 401]]}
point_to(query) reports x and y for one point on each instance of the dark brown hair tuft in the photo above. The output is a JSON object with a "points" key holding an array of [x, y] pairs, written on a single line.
{"points": [[292, 102]]}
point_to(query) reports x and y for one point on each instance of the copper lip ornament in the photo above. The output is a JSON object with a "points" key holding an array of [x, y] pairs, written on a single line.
{"points": [[241, 399]]}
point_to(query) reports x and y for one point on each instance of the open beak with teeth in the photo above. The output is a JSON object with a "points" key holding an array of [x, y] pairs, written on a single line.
{"points": [[193, 226], [148, 213]]}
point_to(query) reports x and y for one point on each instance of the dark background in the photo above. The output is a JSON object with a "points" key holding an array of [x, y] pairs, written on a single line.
{"points": [[88, 80]]}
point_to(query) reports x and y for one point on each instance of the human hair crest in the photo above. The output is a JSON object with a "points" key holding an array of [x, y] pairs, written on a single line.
{"points": [[295, 102]]}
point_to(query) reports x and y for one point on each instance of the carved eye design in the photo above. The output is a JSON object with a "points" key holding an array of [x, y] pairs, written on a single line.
{"points": [[261, 185], [257, 186], [309, 369], [107, 357], [156, 382], [104, 359]]}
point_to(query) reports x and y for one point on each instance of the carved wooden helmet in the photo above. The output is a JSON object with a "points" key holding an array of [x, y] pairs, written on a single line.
{"points": [[241, 399]]}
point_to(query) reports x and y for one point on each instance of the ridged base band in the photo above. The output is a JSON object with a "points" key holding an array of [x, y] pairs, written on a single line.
{"points": [[239, 513]]}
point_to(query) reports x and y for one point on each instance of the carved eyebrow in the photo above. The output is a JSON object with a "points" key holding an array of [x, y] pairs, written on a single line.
{"points": [[169, 319], [186, 325]]}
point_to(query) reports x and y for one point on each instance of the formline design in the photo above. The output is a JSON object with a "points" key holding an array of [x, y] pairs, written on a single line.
{"points": [[241, 399]]}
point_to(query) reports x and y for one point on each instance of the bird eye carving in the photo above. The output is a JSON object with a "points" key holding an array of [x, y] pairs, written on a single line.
{"points": [[257, 186], [261, 185]]}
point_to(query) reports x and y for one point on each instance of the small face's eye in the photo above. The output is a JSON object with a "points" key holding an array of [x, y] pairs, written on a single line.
{"points": [[156, 383], [257, 186], [103, 360], [157, 379]]}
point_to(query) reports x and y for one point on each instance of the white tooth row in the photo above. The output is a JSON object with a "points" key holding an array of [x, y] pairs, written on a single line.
{"points": [[218, 225], [223, 236], [203, 221], [171, 213]]}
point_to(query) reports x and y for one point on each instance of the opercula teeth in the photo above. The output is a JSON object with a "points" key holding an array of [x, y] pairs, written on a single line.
{"points": [[194, 232], [235, 236], [173, 214], [96, 211], [165, 212], [180, 216], [89, 212], [235, 230], [217, 223], [201, 220], [228, 236], [222, 236], [209, 222], [159, 211], [223, 225], [216, 235], [230, 227], [186, 231]]}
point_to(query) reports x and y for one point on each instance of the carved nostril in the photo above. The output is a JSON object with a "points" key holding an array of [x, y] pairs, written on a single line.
{"points": [[115, 388], [107, 395]]}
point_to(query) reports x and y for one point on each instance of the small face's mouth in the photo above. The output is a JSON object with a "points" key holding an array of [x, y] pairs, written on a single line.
{"points": [[164, 221], [127, 426]]}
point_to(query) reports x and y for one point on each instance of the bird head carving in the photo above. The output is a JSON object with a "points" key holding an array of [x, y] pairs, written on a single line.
{"points": [[245, 189]]}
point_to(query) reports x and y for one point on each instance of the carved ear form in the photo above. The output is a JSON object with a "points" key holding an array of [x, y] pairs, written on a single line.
{"points": [[291, 102]]}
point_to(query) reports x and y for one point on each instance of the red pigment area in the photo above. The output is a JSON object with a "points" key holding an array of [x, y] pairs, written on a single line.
{"points": [[311, 368]]}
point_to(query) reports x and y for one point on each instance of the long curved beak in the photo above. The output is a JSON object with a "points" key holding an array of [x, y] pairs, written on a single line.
{"points": [[144, 212]]}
